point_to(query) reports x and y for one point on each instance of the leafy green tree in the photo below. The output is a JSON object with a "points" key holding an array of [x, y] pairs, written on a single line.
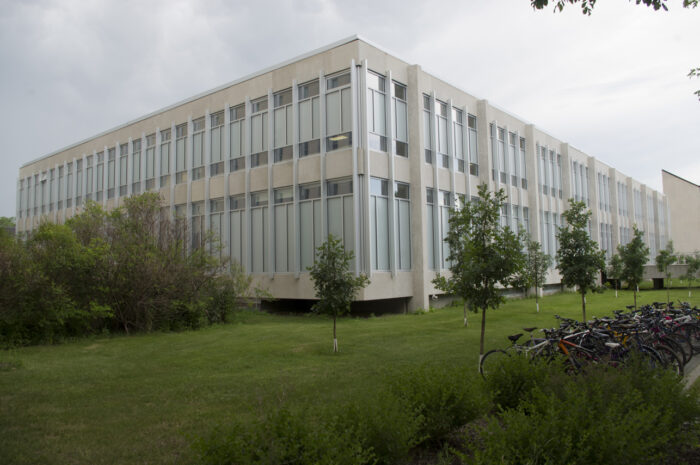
{"points": [[335, 285], [534, 271], [579, 260], [634, 256], [693, 263], [483, 255], [615, 270], [664, 260], [6, 222], [128, 269]]}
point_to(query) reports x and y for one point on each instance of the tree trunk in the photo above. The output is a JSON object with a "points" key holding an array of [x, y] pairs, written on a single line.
{"points": [[335, 339], [635, 298], [465, 314], [583, 305], [481, 342]]}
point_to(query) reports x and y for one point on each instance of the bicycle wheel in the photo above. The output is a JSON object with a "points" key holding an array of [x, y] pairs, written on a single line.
{"points": [[578, 359], [684, 352], [692, 332], [651, 356], [491, 361], [670, 359], [684, 342]]}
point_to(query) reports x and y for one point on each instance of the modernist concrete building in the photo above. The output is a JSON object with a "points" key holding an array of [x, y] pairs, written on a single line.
{"points": [[347, 140], [684, 210]]}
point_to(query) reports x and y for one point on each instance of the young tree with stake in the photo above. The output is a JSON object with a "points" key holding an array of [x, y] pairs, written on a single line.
{"points": [[693, 262], [615, 270], [664, 260], [483, 255], [578, 260], [536, 265], [335, 284], [634, 256]]}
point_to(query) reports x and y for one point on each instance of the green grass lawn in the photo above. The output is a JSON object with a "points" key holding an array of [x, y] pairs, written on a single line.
{"points": [[144, 398]]}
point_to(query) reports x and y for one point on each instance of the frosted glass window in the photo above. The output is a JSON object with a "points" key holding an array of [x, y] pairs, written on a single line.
{"points": [[473, 154], [136, 167], [310, 230], [339, 216], [346, 110], [284, 237], [123, 167], [401, 118], [259, 238], [237, 235], [236, 139], [180, 156], [403, 232], [165, 158], [197, 142], [458, 137], [379, 227], [377, 112], [259, 133], [333, 118], [216, 143], [150, 162], [442, 135]]}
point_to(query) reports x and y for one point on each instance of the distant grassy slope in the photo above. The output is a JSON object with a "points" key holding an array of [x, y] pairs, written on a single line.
{"points": [[141, 399]]}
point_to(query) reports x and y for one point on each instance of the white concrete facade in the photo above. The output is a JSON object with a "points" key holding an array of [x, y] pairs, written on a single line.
{"points": [[346, 140]]}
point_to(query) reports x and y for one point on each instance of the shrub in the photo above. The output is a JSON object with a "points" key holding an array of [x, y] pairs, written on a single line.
{"points": [[383, 424], [443, 398], [129, 269], [514, 379], [628, 416], [284, 437]]}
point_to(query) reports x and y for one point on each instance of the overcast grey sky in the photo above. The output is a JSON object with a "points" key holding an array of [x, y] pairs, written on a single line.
{"points": [[613, 84]]}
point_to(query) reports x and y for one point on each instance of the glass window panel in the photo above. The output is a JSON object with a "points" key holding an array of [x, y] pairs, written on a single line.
{"points": [[333, 113], [281, 264], [401, 121], [404, 234], [258, 235], [348, 225], [346, 107], [216, 144], [280, 117], [335, 216], [379, 112], [306, 217]]}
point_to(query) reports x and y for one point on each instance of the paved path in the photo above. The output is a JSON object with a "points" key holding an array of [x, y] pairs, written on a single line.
{"points": [[692, 370]]}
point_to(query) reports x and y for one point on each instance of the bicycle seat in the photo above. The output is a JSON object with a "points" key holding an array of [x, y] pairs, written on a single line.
{"points": [[515, 337], [529, 330], [613, 345]]}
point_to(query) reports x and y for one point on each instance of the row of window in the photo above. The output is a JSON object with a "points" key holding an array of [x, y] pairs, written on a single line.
{"points": [[604, 192], [579, 182], [508, 157], [464, 137], [549, 172]]}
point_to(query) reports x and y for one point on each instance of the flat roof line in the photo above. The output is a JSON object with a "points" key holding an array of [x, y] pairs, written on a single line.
{"points": [[268, 69]]}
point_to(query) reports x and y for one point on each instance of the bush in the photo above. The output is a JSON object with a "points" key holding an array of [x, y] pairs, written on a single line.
{"points": [[383, 424], [622, 416], [285, 437], [514, 378], [443, 398], [129, 269]]}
